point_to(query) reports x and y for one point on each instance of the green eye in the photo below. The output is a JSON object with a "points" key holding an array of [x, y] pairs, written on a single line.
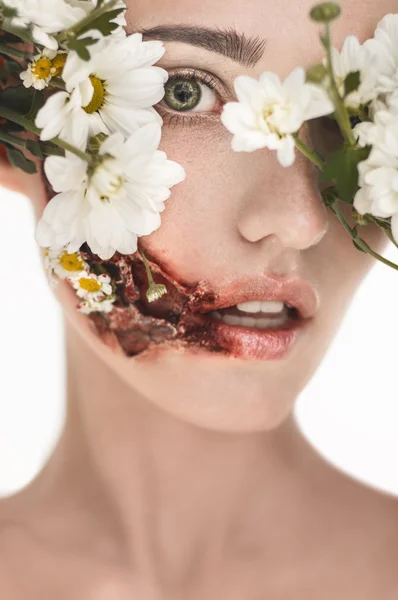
{"points": [[182, 94]]}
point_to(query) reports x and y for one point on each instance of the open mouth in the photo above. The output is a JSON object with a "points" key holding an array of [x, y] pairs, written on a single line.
{"points": [[258, 314], [194, 316]]}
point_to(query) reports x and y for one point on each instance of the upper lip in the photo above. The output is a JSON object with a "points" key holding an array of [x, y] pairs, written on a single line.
{"points": [[297, 292]]}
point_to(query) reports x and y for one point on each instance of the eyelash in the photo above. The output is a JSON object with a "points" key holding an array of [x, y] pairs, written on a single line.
{"points": [[178, 118]]}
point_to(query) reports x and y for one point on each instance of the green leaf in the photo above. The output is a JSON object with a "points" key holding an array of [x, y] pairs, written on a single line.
{"points": [[104, 22], [19, 160], [12, 66], [3, 75], [18, 98], [38, 100], [34, 148], [80, 47], [352, 82], [9, 13], [342, 169]]}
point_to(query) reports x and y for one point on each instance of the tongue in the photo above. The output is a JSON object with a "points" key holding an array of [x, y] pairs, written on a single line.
{"points": [[234, 311]]}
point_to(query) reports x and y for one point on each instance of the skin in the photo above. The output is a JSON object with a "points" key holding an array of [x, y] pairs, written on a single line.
{"points": [[184, 475]]}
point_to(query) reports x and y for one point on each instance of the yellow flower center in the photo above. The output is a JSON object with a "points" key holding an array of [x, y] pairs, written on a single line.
{"points": [[42, 68], [98, 97], [58, 64], [71, 262], [90, 285]]}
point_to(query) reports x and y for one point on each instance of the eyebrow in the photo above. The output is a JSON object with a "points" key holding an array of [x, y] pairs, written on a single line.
{"points": [[228, 42]]}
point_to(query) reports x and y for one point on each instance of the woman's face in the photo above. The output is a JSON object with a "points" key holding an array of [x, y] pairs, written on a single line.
{"points": [[239, 225]]}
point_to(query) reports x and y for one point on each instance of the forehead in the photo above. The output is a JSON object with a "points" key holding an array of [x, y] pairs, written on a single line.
{"points": [[292, 39]]}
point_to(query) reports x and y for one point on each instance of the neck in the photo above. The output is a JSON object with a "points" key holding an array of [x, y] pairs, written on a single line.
{"points": [[175, 494]]}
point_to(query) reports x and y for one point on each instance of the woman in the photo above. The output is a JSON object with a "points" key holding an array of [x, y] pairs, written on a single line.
{"points": [[181, 472]]}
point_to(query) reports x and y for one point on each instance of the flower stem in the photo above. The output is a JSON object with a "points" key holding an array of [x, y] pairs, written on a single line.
{"points": [[155, 290], [12, 52], [386, 227], [341, 111], [312, 155], [359, 241], [11, 115]]}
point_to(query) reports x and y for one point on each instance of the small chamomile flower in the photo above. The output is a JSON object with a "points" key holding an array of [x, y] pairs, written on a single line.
{"points": [[59, 264], [92, 287], [42, 69], [95, 291], [89, 306]]}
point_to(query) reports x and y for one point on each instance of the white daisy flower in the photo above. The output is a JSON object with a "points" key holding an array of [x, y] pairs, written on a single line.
{"points": [[385, 45], [355, 57], [92, 287], [46, 18], [378, 180], [111, 207], [63, 115], [64, 265], [382, 132], [41, 70], [89, 306], [115, 91], [125, 83], [268, 113]]}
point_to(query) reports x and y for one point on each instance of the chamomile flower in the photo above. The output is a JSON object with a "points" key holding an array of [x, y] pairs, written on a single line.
{"points": [[354, 58], [378, 194], [269, 112], [111, 207], [91, 306], [385, 45], [114, 91], [64, 116], [95, 291], [382, 132], [92, 287], [64, 265], [42, 69]]}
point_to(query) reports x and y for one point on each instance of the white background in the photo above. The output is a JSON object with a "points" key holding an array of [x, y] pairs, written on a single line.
{"points": [[349, 411]]}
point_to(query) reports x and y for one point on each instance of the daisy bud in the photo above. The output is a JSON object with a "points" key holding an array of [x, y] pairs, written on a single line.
{"points": [[316, 74], [325, 12], [361, 219], [155, 291]]}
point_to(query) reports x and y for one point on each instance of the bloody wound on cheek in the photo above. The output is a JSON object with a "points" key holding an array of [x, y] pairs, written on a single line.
{"points": [[137, 325]]}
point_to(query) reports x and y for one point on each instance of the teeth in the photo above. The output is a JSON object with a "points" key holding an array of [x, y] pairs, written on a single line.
{"points": [[249, 322], [265, 307]]}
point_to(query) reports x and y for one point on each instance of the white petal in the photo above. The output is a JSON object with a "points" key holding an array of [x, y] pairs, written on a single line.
{"points": [[286, 152], [65, 173]]}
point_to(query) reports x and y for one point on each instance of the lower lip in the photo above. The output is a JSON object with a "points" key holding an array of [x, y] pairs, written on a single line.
{"points": [[257, 344]]}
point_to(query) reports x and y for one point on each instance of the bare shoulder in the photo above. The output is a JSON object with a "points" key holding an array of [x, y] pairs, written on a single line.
{"points": [[363, 525], [38, 561]]}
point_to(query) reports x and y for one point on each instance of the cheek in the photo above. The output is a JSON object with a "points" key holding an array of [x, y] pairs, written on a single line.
{"points": [[199, 213]]}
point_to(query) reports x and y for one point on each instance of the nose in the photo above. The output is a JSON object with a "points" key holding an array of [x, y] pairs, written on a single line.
{"points": [[283, 202]]}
